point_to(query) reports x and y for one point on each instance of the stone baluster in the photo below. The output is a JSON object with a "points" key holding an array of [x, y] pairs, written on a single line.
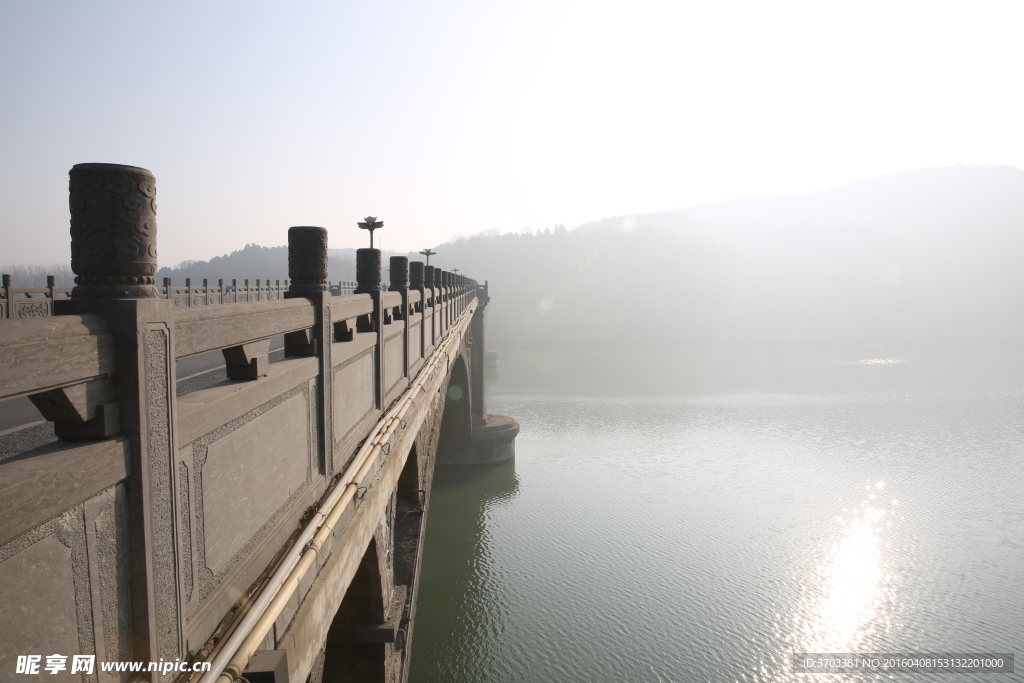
{"points": [[399, 272], [368, 271], [307, 273], [307, 270], [8, 296], [441, 277], [430, 301], [51, 294], [114, 257], [113, 232], [416, 281], [368, 279]]}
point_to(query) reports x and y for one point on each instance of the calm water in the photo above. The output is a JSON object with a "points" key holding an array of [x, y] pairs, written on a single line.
{"points": [[698, 516]]}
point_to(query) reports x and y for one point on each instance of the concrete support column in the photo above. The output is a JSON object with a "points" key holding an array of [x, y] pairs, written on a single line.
{"points": [[494, 436], [477, 365], [113, 255], [307, 273]]}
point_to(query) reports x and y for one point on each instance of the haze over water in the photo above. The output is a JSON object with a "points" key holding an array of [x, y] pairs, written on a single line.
{"points": [[698, 515]]}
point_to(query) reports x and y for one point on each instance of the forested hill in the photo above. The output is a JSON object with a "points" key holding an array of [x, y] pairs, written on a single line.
{"points": [[930, 253]]}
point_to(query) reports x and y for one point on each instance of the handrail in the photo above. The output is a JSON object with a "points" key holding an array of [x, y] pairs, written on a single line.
{"points": [[34, 302], [199, 330], [39, 354]]}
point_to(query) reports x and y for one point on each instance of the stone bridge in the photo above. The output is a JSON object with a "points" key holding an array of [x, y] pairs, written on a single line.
{"points": [[268, 519]]}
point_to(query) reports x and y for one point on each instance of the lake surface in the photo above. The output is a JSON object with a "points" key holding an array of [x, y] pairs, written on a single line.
{"points": [[699, 515]]}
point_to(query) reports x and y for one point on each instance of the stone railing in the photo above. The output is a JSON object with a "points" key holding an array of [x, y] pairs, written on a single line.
{"points": [[30, 302], [36, 302], [156, 514]]}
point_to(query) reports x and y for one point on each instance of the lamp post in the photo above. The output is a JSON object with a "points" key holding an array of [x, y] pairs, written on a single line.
{"points": [[428, 253], [371, 223]]}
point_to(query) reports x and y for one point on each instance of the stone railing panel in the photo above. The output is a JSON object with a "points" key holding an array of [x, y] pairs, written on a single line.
{"points": [[189, 295], [49, 480], [66, 580], [246, 468], [30, 302], [354, 391], [394, 355], [201, 412]]}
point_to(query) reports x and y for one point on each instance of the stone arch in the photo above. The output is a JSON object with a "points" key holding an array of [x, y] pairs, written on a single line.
{"points": [[455, 443], [410, 500], [347, 658], [410, 479]]}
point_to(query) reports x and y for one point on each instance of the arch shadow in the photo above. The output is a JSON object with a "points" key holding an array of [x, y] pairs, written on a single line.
{"points": [[455, 444]]}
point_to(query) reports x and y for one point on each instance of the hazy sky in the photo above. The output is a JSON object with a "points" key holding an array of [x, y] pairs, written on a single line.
{"points": [[450, 117]]}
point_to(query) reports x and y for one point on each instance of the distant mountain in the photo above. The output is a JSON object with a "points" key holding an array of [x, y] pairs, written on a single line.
{"points": [[921, 203], [266, 263], [252, 261], [933, 252]]}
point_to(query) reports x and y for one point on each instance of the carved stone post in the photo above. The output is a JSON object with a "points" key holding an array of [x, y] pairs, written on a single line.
{"points": [[415, 274], [428, 282], [368, 269], [113, 231], [400, 283], [439, 301], [446, 283], [416, 277], [441, 277], [307, 272], [113, 255], [368, 277], [399, 273], [307, 259], [6, 296]]}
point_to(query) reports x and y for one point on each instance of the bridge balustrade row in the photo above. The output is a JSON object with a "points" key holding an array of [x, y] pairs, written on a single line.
{"points": [[35, 302], [157, 515]]}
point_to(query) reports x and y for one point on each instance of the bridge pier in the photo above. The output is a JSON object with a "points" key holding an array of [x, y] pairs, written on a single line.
{"points": [[494, 441], [488, 438]]}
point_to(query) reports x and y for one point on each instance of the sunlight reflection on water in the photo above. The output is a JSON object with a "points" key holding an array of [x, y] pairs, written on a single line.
{"points": [[846, 609]]}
